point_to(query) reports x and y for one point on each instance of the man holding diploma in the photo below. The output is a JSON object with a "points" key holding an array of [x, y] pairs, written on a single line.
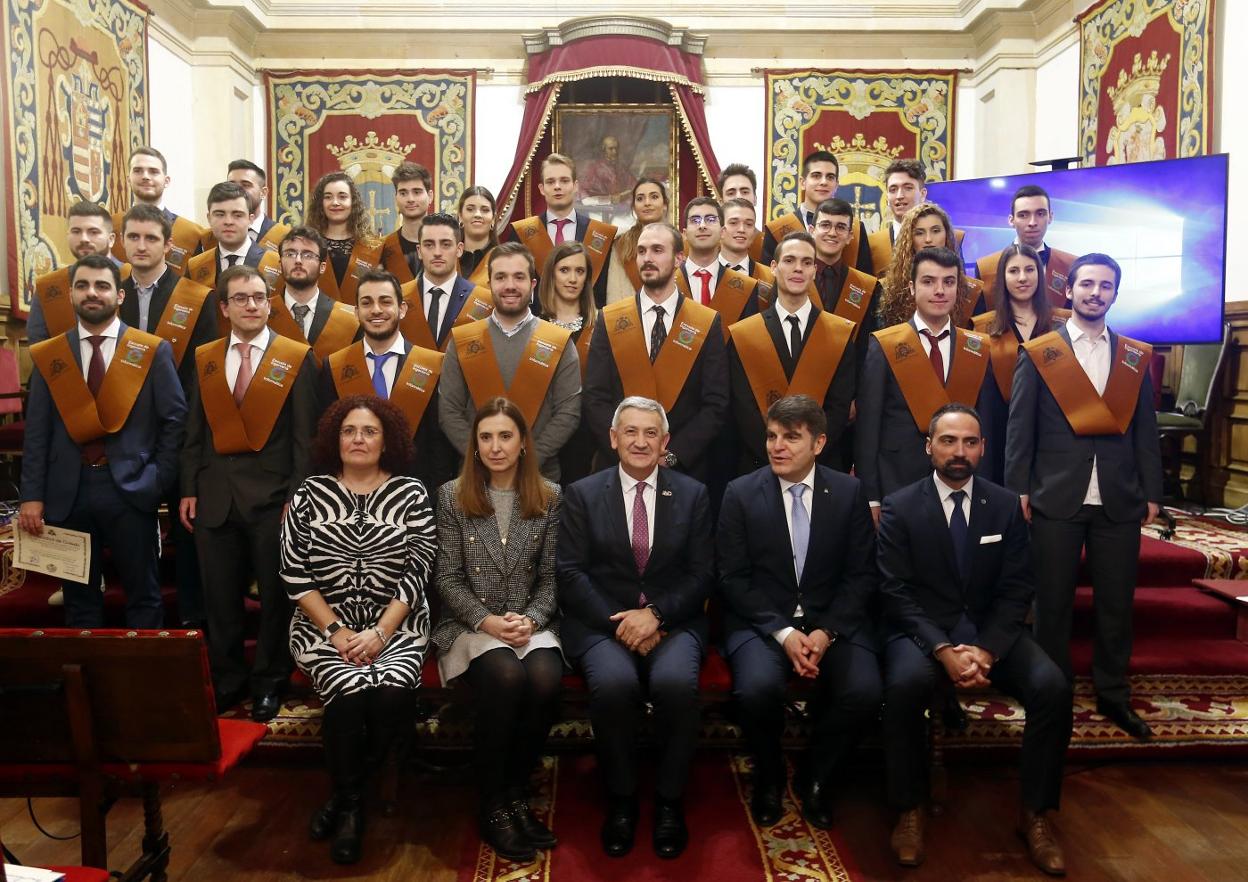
{"points": [[104, 424]]}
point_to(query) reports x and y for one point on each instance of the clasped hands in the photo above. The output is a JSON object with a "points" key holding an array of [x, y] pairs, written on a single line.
{"points": [[638, 629], [513, 628], [805, 651], [967, 666], [357, 648]]}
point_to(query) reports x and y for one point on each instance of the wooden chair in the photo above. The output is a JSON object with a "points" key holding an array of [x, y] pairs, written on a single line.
{"points": [[112, 714]]}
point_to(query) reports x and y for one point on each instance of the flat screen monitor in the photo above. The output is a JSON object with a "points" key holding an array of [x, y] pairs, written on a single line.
{"points": [[1164, 222]]}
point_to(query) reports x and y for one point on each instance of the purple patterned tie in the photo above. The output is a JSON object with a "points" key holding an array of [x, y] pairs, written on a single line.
{"points": [[641, 534]]}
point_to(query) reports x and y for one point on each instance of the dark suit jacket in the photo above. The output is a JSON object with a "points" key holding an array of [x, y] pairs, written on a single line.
{"points": [[254, 483], [751, 303], [1047, 461], [594, 562], [861, 260], [266, 223], [254, 255], [698, 414], [320, 316], [923, 590], [830, 292], [749, 422], [755, 557], [207, 326], [889, 449], [448, 308], [582, 227], [142, 455]]}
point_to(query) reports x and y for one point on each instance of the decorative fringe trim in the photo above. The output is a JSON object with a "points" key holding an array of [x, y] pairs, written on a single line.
{"points": [[693, 142], [637, 73]]}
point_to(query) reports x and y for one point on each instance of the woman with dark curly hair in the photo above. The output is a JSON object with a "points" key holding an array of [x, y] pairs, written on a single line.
{"points": [[358, 545], [336, 211], [499, 629], [477, 213], [924, 226]]}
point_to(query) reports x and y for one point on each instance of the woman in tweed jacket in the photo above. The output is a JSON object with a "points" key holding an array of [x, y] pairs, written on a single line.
{"points": [[499, 629]]}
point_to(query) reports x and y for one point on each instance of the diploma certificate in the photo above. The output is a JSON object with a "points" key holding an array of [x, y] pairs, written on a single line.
{"points": [[64, 554]]}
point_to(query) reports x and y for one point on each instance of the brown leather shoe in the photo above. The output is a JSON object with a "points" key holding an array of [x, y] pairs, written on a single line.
{"points": [[907, 838], [1042, 845]]}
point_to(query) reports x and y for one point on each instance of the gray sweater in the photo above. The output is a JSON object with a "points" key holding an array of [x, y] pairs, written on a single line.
{"points": [[557, 418]]}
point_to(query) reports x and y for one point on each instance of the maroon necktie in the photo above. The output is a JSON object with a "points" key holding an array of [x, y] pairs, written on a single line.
{"points": [[559, 225], [93, 451], [938, 360], [641, 534], [705, 276]]}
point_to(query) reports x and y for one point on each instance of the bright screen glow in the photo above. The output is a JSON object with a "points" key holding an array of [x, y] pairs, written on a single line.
{"points": [[1164, 222]]}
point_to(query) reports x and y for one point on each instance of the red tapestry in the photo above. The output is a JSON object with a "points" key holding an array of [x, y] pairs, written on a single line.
{"points": [[1146, 82]]}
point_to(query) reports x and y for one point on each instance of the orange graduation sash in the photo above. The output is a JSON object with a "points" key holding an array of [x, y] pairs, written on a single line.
{"points": [[414, 383], [820, 358], [756, 246], [663, 380], [177, 321], [393, 258], [52, 290], [598, 238], [913, 372], [246, 429], [732, 293], [364, 256], [477, 360], [785, 224], [1087, 412], [1003, 348], [270, 241], [340, 328], [854, 302], [481, 272], [187, 238], [202, 268], [881, 244], [415, 325], [88, 417]]}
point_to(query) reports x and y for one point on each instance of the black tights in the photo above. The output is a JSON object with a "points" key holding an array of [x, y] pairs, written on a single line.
{"points": [[516, 703], [358, 729]]}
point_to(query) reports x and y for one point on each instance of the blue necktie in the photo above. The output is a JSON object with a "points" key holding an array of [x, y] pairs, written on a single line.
{"points": [[958, 528], [801, 529], [379, 375]]}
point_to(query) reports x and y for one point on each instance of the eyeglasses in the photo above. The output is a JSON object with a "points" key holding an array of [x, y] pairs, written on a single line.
{"points": [[300, 255], [828, 227], [711, 220], [366, 431], [244, 299]]}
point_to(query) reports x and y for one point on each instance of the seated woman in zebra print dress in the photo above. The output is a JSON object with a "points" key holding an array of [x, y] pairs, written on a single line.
{"points": [[496, 574], [358, 545]]}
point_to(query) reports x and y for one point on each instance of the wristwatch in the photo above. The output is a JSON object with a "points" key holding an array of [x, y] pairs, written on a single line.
{"points": [[331, 629], [669, 460]]}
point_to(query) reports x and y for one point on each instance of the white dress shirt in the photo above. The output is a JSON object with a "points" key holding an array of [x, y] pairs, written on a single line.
{"points": [[945, 492], [107, 348], [569, 230], [629, 485], [803, 318], [306, 324], [222, 253], [647, 314], [391, 367], [786, 500], [511, 332], [253, 231], [233, 361], [896, 229], [946, 345], [695, 282], [427, 285], [1094, 357]]}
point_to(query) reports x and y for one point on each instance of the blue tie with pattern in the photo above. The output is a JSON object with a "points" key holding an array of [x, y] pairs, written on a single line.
{"points": [[379, 374]]}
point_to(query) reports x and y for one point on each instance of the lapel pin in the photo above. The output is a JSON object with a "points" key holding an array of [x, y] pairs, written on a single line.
{"points": [[667, 493]]}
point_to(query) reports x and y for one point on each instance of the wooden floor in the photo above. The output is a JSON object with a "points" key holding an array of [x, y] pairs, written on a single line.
{"points": [[1171, 822]]}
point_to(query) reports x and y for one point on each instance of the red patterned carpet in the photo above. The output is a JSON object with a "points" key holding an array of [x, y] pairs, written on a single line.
{"points": [[724, 843]]}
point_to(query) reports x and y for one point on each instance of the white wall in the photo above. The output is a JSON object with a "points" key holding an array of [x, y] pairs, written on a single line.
{"points": [[736, 122], [1057, 105], [169, 131], [499, 112]]}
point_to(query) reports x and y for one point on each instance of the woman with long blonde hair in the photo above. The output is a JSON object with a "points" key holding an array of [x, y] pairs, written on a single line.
{"points": [[924, 226]]}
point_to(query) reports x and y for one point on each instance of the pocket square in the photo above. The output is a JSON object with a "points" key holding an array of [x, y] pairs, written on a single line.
{"points": [[986, 540]]}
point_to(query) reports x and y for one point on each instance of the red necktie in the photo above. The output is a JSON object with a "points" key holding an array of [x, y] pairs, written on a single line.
{"points": [[705, 276], [938, 360], [641, 532], [93, 451], [559, 225], [243, 380]]}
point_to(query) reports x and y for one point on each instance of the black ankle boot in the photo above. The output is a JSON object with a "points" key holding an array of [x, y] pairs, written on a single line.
{"points": [[501, 832], [324, 820], [349, 833], [537, 833]]}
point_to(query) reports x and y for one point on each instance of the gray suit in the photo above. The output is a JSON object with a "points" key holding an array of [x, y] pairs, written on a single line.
{"points": [[1047, 461], [479, 576]]}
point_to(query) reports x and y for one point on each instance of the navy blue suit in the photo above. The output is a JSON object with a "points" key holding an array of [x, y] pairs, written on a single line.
{"points": [[448, 309], [761, 595], [598, 577], [117, 501], [929, 599]]}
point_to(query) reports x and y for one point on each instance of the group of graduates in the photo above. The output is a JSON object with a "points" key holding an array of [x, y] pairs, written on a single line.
{"points": [[703, 395]]}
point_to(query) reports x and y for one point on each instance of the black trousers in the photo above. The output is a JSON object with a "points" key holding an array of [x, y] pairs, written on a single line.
{"points": [[516, 704], [1113, 551], [229, 556], [190, 588], [619, 683], [1025, 672], [847, 697], [131, 535]]}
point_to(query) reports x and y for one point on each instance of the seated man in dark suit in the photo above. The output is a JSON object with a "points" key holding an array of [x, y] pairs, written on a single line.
{"points": [[796, 555], [635, 565], [956, 583], [102, 463]]}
